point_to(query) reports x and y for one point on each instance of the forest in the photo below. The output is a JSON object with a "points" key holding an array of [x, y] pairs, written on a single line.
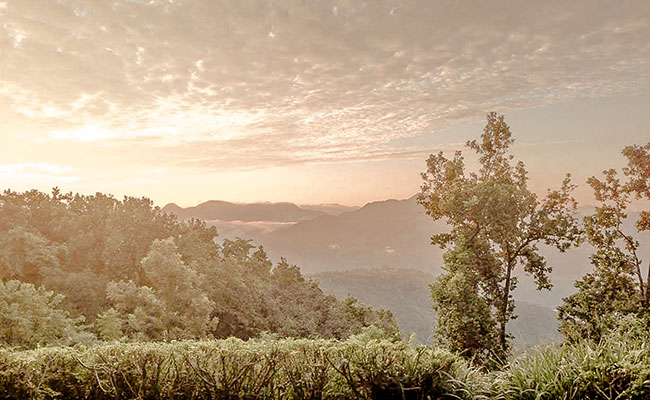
{"points": [[82, 268], [108, 298]]}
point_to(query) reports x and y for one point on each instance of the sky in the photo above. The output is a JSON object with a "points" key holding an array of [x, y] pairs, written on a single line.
{"points": [[310, 101]]}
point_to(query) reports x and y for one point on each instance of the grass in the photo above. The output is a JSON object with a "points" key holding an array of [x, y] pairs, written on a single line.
{"points": [[362, 367]]}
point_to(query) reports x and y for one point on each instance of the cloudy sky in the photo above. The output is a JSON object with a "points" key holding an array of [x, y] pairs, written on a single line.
{"points": [[310, 101]]}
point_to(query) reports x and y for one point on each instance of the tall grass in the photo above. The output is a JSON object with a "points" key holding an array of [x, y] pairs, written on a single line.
{"points": [[230, 369], [362, 367], [612, 369]]}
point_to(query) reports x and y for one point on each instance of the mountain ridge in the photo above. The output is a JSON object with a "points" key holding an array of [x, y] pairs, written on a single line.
{"points": [[247, 212]]}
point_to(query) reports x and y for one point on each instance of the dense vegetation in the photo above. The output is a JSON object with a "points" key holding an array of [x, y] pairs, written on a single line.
{"points": [[362, 367], [75, 267], [617, 286]]}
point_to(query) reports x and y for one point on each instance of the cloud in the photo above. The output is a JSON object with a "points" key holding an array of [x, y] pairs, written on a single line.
{"points": [[87, 133], [263, 83], [18, 171]]}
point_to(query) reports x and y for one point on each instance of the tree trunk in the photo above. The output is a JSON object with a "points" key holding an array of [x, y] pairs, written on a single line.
{"points": [[647, 289], [643, 289], [503, 318]]}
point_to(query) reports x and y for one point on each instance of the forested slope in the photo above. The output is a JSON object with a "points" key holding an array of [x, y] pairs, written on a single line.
{"points": [[123, 269], [405, 292]]}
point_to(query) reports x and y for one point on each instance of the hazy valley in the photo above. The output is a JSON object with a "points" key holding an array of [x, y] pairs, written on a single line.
{"points": [[381, 254]]}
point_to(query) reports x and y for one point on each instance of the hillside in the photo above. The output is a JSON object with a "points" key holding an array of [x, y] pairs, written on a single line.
{"points": [[405, 292], [392, 233]]}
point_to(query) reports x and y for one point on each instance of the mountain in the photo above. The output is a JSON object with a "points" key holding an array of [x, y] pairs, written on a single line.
{"points": [[330, 209], [234, 220], [226, 211], [393, 233]]}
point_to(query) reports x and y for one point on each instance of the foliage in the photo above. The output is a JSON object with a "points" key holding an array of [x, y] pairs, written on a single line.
{"points": [[31, 316], [496, 224], [179, 287], [363, 367], [616, 368], [135, 273], [108, 325], [464, 322], [616, 287], [27, 254], [638, 172]]}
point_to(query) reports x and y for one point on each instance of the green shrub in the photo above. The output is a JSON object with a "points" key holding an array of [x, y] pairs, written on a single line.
{"points": [[230, 369], [612, 369], [366, 366]]}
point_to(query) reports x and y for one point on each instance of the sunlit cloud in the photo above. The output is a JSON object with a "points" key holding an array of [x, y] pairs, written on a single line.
{"points": [[39, 170], [84, 134], [17, 36], [390, 250], [314, 79], [218, 85]]}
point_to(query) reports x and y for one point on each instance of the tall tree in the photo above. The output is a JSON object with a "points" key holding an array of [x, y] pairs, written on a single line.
{"points": [[496, 224], [638, 173], [617, 285], [179, 287]]}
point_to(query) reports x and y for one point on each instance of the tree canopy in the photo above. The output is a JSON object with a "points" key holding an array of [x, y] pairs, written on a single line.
{"points": [[132, 272], [617, 286], [496, 224]]}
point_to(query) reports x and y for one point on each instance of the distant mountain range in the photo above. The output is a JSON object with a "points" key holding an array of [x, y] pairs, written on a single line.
{"points": [[225, 211], [330, 209], [318, 238], [390, 233], [253, 220]]}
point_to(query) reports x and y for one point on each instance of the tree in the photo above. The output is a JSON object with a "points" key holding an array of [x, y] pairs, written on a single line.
{"points": [[638, 172], [108, 325], [603, 297], [465, 323], [179, 287], [496, 224], [31, 316], [170, 306], [617, 286], [24, 255], [142, 313]]}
